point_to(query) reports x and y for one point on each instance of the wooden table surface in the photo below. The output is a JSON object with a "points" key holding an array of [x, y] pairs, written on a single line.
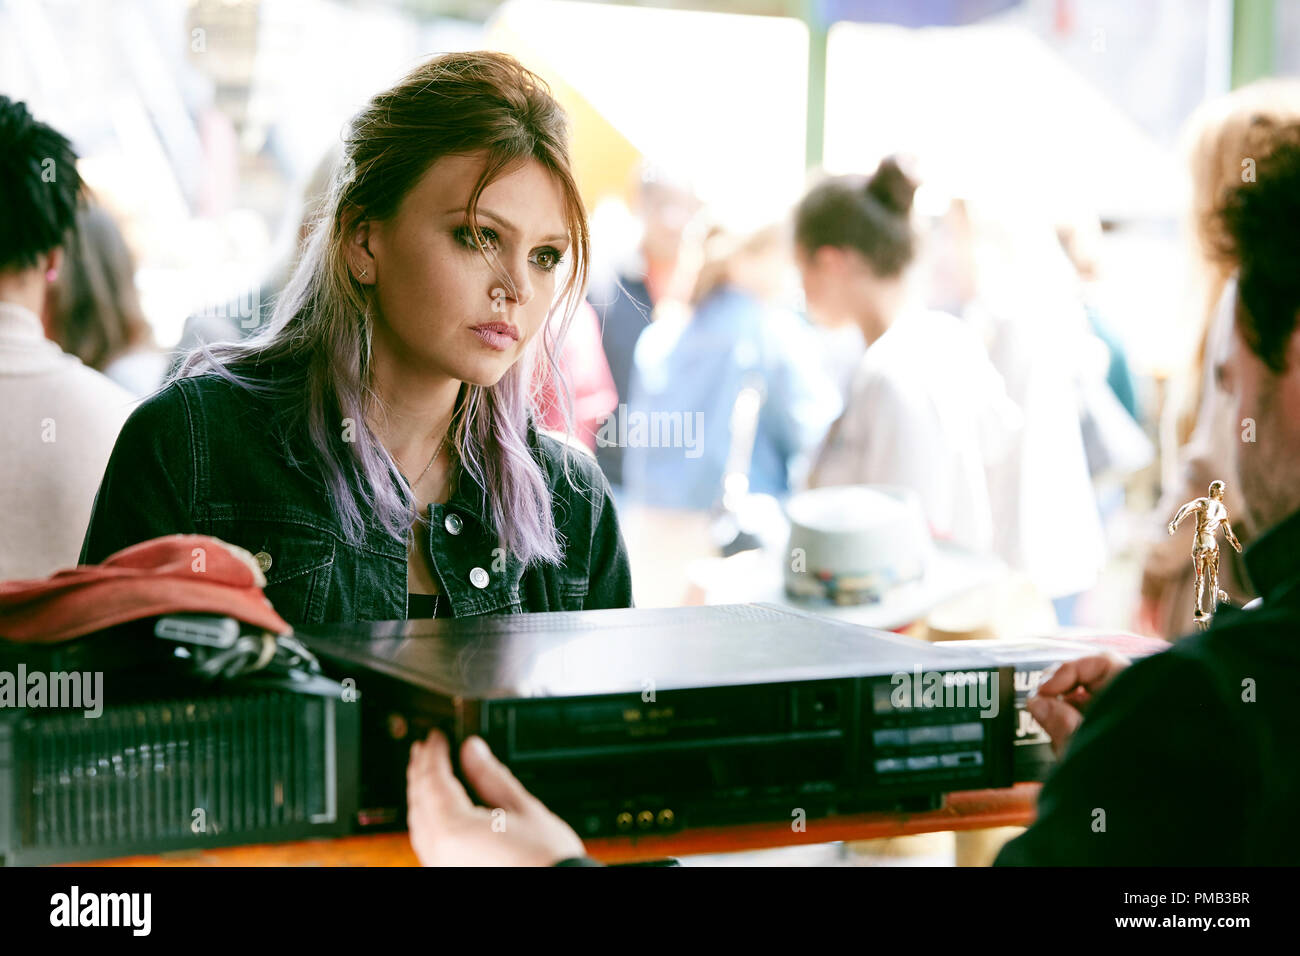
{"points": [[969, 810]]}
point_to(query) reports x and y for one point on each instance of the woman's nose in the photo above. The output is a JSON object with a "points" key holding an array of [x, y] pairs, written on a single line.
{"points": [[518, 289]]}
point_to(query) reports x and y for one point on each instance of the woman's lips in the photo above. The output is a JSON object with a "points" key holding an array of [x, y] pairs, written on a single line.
{"points": [[496, 335]]}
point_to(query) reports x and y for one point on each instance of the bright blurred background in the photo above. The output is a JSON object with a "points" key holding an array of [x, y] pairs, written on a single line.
{"points": [[200, 125], [200, 121]]}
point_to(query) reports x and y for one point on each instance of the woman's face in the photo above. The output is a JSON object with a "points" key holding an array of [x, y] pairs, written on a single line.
{"points": [[442, 309], [824, 284]]}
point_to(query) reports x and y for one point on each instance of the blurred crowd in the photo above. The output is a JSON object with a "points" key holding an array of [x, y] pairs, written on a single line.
{"points": [[958, 352]]}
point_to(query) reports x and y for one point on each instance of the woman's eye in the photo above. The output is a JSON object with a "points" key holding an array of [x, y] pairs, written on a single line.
{"points": [[549, 259], [466, 235]]}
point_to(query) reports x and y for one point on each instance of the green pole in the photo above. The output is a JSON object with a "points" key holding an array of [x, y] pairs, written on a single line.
{"points": [[816, 127], [1253, 45], [816, 94]]}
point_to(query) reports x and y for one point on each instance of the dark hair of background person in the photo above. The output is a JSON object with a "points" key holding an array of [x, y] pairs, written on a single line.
{"points": [[1259, 220], [869, 214], [95, 308], [39, 187]]}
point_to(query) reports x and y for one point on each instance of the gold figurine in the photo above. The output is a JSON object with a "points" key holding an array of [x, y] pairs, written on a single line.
{"points": [[1210, 513]]}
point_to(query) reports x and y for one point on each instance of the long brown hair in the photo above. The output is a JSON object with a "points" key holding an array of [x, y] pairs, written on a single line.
{"points": [[454, 104]]}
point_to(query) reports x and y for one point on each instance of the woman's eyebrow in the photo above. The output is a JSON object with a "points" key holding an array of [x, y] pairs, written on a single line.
{"points": [[504, 223]]}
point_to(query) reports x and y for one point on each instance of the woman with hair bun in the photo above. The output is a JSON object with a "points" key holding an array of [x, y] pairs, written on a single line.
{"points": [[374, 446], [926, 409]]}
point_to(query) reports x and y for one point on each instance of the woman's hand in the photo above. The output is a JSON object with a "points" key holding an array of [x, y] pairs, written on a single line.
{"points": [[1062, 699], [447, 829]]}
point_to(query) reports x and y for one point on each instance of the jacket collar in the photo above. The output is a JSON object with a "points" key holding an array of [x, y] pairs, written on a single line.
{"points": [[1273, 560]]}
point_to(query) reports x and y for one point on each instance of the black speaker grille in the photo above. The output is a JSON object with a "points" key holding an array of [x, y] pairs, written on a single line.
{"points": [[173, 771]]}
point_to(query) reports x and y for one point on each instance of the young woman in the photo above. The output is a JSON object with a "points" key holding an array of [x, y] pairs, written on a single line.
{"points": [[926, 409], [374, 447]]}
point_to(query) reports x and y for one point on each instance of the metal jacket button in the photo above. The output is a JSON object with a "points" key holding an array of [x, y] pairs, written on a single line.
{"points": [[263, 561], [452, 523], [479, 578]]}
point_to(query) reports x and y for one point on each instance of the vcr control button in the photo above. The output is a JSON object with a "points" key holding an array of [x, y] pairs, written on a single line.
{"points": [[929, 735]]}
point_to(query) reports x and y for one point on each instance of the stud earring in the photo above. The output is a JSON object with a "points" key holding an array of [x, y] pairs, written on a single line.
{"points": [[363, 273], [51, 275]]}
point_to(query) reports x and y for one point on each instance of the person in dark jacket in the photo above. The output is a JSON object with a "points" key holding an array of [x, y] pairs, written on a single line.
{"points": [[625, 300], [1189, 757], [375, 446]]}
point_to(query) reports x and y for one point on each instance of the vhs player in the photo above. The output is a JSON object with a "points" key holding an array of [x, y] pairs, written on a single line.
{"points": [[636, 720]]}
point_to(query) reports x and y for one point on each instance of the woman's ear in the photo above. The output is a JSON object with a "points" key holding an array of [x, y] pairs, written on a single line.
{"points": [[361, 261], [49, 307]]}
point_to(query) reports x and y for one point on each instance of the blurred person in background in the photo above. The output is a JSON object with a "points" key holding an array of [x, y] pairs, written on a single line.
{"points": [[1081, 237], [581, 381], [1224, 142], [1001, 265], [94, 312], [692, 366], [241, 316], [1117, 445], [626, 299], [926, 409], [58, 418]]}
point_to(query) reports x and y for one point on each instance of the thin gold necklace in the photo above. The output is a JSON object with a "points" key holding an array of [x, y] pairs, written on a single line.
{"points": [[420, 518], [436, 452]]}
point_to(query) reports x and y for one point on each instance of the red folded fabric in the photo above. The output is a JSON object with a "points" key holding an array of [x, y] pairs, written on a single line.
{"points": [[172, 574]]}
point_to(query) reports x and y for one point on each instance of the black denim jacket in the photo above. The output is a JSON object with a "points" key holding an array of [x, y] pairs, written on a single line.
{"points": [[200, 457]]}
